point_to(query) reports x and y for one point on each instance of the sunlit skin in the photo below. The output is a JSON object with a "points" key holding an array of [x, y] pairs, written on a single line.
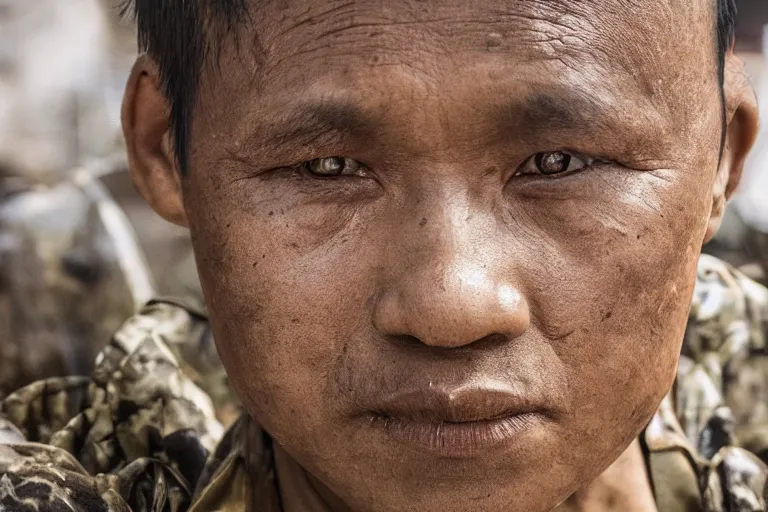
{"points": [[440, 319]]}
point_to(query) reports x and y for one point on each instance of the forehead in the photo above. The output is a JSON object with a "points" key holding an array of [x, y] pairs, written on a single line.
{"points": [[657, 55], [620, 35]]}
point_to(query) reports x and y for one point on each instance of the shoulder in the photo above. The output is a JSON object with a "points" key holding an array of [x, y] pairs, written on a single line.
{"points": [[139, 429], [727, 308], [39, 477], [706, 440], [733, 479], [721, 394]]}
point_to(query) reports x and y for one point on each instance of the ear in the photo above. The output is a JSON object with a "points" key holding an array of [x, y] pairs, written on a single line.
{"points": [[742, 127], [146, 128]]}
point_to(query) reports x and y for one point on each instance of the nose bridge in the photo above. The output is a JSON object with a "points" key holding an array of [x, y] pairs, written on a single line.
{"points": [[455, 287]]}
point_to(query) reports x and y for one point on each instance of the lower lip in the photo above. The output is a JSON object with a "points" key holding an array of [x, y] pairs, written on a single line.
{"points": [[459, 440]]}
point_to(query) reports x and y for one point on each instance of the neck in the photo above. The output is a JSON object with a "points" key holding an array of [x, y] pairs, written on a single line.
{"points": [[299, 491], [623, 487]]}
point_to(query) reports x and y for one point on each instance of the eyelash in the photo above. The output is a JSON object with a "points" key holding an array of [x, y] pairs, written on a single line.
{"points": [[302, 170]]}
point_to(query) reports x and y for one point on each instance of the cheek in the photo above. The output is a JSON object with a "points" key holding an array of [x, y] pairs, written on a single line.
{"points": [[613, 285], [287, 284]]}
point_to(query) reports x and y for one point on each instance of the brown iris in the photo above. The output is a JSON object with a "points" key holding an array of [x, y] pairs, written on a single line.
{"points": [[553, 163]]}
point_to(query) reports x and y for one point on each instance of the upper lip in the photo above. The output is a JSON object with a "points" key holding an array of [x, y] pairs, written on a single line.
{"points": [[457, 404]]}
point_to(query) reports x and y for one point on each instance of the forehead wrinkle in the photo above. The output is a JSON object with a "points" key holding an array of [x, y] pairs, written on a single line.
{"points": [[281, 18], [598, 30], [589, 40], [550, 29]]}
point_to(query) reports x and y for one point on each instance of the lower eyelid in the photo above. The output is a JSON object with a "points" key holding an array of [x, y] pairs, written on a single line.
{"points": [[539, 176], [300, 171]]}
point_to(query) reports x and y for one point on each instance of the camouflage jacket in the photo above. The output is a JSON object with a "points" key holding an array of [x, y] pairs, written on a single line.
{"points": [[140, 435]]}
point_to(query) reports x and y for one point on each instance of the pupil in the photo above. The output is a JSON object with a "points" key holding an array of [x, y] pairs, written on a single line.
{"points": [[327, 166], [332, 165], [552, 163]]}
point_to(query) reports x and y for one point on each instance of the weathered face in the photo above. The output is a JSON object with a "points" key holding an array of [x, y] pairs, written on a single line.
{"points": [[448, 248]]}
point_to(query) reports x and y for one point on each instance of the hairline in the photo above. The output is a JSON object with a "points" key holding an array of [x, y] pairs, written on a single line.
{"points": [[203, 24]]}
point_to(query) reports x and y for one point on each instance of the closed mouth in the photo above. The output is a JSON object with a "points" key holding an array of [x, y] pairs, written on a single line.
{"points": [[457, 423], [458, 440]]}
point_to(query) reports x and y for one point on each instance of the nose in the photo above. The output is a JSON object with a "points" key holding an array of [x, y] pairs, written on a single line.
{"points": [[453, 293]]}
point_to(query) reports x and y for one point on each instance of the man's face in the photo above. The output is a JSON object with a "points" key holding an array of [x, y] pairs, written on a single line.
{"points": [[480, 302]]}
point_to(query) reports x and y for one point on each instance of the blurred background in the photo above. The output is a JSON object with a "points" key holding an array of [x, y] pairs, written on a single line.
{"points": [[743, 241], [80, 251]]}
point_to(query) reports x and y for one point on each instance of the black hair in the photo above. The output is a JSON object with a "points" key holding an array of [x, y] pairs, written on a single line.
{"points": [[180, 35], [726, 36]]}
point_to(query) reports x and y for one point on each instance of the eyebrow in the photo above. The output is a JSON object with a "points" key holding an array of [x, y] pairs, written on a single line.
{"points": [[540, 109], [549, 108], [559, 108], [313, 121], [563, 109]]}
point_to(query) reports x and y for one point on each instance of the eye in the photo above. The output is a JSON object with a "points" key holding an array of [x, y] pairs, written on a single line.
{"points": [[333, 166], [553, 163]]}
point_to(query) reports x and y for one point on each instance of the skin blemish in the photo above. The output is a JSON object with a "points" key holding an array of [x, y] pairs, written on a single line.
{"points": [[493, 40], [461, 97]]}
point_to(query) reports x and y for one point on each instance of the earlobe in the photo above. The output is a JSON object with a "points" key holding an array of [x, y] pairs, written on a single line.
{"points": [[742, 122], [146, 128]]}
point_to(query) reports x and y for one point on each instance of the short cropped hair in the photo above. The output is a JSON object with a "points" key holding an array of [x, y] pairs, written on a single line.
{"points": [[180, 35]]}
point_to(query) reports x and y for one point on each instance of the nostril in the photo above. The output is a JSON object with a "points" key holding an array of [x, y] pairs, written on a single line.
{"points": [[491, 340], [406, 340], [417, 312]]}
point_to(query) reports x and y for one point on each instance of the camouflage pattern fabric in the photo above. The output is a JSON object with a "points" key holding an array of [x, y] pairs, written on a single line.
{"points": [[189, 337], [733, 480], [140, 435], [721, 393], [139, 424]]}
